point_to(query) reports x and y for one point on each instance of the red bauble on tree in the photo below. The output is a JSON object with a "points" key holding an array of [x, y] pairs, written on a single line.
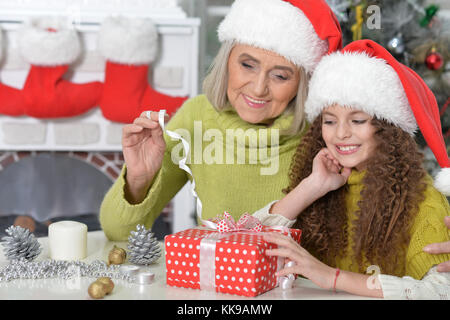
{"points": [[434, 60]]}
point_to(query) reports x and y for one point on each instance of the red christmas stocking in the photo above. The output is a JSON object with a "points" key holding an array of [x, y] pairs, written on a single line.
{"points": [[50, 45], [129, 46], [10, 98]]}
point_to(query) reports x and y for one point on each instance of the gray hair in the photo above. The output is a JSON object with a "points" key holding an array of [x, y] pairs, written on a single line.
{"points": [[216, 83]]}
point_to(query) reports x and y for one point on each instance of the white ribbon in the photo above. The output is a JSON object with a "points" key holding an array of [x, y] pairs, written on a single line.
{"points": [[207, 269], [208, 244], [182, 163]]}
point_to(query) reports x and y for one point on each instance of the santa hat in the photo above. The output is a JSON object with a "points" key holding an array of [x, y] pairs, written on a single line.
{"points": [[365, 76], [302, 31]]}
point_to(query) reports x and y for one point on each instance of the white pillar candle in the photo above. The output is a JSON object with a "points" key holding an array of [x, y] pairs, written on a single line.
{"points": [[67, 240]]}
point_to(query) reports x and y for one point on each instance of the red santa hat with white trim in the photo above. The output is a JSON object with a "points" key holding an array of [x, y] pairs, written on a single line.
{"points": [[302, 31], [364, 75]]}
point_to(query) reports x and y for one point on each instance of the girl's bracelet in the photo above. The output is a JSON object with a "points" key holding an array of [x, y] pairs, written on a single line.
{"points": [[335, 279]]}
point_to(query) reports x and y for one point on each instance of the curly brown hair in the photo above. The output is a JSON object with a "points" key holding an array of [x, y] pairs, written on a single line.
{"points": [[393, 187]]}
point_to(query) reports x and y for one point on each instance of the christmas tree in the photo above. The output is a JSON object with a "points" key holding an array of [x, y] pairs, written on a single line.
{"points": [[416, 35]]}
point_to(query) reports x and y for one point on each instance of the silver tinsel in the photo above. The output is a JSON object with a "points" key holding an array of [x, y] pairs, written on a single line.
{"points": [[50, 269], [143, 247], [20, 244]]}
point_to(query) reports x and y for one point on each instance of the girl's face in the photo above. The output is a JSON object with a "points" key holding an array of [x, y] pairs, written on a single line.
{"points": [[260, 83], [349, 136]]}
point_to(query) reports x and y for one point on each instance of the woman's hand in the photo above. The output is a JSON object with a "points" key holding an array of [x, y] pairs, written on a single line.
{"points": [[441, 247], [327, 173], [306, 265], [143, 150]]}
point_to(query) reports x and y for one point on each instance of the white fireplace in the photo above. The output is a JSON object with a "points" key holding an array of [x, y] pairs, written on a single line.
{"points": [[90, 138]]}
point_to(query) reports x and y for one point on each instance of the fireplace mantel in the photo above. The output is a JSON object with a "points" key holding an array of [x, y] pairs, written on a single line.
{"points": [[90, 136], [175, 73], [92, 9]]}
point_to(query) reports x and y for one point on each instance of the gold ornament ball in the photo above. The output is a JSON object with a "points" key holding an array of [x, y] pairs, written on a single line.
{"points": [[108, 283], [97, 290], [117, 255]]}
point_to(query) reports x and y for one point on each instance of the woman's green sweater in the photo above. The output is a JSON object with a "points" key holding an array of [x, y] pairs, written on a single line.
{"points": [[237, 166]]}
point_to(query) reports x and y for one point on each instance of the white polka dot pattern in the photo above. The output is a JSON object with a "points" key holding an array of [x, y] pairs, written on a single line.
{"points": [[241, 267]]}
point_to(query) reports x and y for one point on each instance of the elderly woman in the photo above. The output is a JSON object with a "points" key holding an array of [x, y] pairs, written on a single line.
{"points": [[254, 94]]}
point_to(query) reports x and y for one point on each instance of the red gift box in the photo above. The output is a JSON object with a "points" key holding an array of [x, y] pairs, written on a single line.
{"points": [[231, 262]]}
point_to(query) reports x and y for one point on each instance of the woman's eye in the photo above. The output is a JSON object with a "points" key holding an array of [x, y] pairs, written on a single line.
{"points": [[281, 77], [246, 65], [328, 122], [359, 121]]}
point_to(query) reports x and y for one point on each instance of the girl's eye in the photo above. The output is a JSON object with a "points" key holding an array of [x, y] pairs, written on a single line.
{"points": [[328, 122], [359, 121]]}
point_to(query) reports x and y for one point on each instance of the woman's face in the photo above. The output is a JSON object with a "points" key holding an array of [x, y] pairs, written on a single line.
{"points": [[349, 136], [260, 83]]}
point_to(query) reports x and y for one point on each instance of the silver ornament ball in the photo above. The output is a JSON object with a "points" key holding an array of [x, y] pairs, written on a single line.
{"points": [[396, 45]]}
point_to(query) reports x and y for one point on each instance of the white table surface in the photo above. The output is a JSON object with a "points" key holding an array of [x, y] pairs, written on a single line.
{"points": [[99, 247]]}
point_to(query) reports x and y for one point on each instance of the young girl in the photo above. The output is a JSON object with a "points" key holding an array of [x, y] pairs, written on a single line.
{"points": [[357, 186]]}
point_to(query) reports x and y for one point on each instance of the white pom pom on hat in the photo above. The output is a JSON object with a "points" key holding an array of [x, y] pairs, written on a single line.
{"points": [[442, 181]]}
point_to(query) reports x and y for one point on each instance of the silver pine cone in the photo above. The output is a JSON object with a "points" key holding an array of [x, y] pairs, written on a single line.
{"points": [[20, 244], [143, 247]]}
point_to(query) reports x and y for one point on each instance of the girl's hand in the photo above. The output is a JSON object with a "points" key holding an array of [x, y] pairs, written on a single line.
{"points": [[306, 265], [143, 150], [327, 173]]}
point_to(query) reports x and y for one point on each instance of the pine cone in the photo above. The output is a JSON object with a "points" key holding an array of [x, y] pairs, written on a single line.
{"points": [[143, 247], [20, 244]]}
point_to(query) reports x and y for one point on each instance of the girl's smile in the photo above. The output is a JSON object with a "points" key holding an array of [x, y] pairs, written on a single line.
{"points": [[347, 149], [349, 135]]}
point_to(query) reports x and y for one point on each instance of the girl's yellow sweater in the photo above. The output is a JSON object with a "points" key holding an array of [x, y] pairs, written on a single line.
{"points": [[428, 227]]}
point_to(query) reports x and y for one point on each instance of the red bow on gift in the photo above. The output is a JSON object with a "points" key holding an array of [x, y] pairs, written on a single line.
{"points": [[245, 223]]}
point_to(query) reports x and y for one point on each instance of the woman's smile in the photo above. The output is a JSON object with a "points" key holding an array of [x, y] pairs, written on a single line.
{"points": [[260, 83], [254, 103]]}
